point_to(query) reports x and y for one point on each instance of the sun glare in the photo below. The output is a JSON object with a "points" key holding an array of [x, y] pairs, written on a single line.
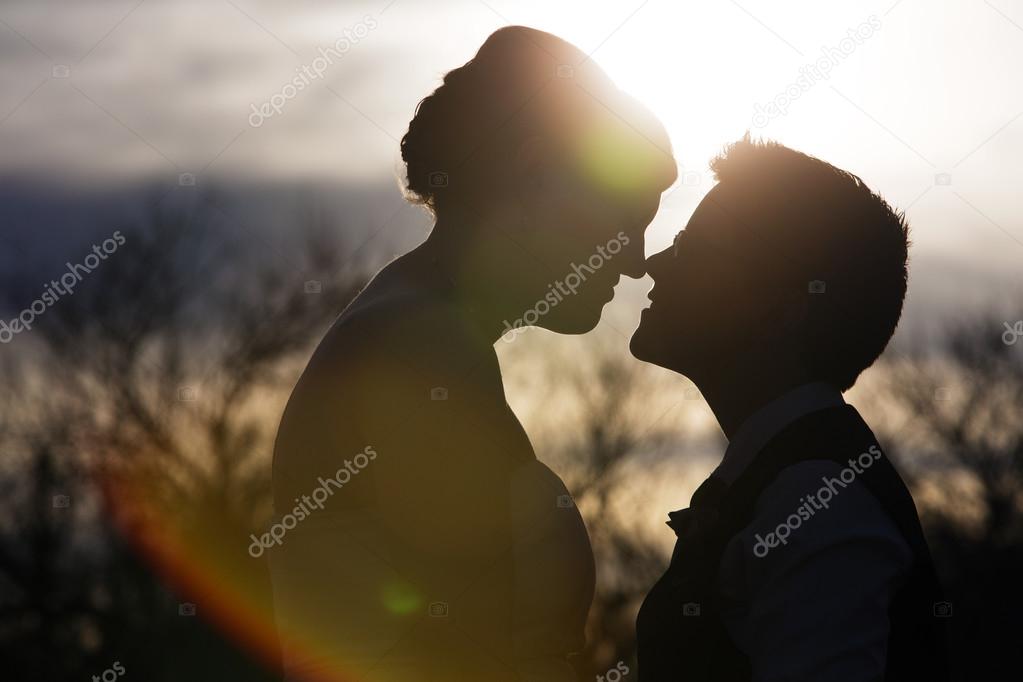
{"points": [[703, 94]]}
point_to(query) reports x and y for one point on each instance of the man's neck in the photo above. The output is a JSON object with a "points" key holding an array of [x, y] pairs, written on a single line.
{"points": [[739, 391]]}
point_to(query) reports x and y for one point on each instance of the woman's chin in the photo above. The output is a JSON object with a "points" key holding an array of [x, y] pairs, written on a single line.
{"points": [[640, 345]]}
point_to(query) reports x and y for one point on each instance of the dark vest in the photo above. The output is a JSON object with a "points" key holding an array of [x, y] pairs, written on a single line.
{"points": [[680, 633]]}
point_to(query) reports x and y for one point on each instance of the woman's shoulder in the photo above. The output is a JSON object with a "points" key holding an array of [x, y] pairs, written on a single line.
{"points": [[398, 330]]}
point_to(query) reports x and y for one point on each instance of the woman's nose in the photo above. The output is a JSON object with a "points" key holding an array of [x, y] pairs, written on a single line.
{"points": [[656, 264]]}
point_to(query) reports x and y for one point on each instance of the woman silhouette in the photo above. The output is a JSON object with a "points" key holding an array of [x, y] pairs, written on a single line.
{"points": [[426, 542]]}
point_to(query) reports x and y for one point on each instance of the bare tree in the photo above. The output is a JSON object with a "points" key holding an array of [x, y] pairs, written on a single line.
{"points": [[160, 379], [954, 420], [608, 424]]}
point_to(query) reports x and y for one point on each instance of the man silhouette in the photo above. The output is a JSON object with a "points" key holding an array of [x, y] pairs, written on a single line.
{"points": [[801, 557]]}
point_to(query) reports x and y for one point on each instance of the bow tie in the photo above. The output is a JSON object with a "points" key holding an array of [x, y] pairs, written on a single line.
{"points": [[702, 514]]}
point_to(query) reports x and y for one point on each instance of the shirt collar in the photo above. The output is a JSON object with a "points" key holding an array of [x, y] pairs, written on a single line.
{"points": [[761, 426]]}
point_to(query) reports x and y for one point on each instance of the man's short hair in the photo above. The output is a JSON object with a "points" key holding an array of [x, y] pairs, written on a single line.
{"points": [[824, 230]]}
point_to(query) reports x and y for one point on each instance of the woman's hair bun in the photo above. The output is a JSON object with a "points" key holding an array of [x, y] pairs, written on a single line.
{"points": [[520, 82]]}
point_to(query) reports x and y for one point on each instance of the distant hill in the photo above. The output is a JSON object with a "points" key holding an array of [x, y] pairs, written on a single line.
{"points": [[43, 227]]}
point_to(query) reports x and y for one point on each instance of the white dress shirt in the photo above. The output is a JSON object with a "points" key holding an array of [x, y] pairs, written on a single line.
{"points": [[816, 607]]}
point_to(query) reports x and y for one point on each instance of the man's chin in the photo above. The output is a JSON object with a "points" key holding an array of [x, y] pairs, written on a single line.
{"points": [[571, 325], [573, 328], [580, 319]]}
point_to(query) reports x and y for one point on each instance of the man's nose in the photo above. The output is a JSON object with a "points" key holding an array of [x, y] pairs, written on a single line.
{"points": [[633, 263]]}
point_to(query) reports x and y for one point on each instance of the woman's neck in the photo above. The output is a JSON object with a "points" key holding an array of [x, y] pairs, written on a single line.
{"points": [[462, 275]]}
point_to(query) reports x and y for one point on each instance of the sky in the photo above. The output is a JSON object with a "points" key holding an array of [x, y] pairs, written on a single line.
{"points": [[922, 99]]}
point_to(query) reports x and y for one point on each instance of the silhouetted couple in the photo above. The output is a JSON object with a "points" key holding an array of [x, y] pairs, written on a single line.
{"points": [[454, 554]]}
